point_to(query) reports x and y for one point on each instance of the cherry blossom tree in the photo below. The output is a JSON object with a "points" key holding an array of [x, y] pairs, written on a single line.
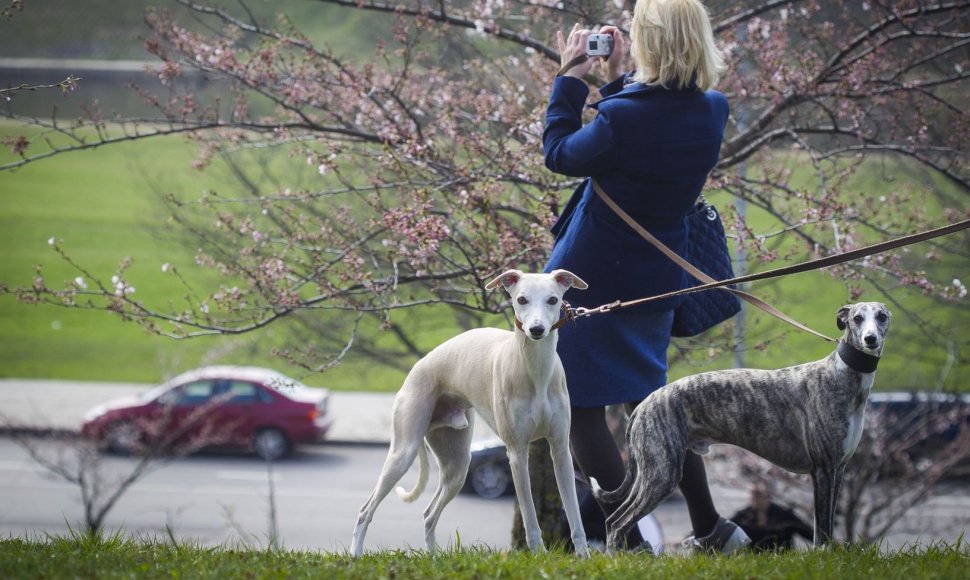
{"points": [[428, 175], [428, 153], [428, 150], [11, 7]]}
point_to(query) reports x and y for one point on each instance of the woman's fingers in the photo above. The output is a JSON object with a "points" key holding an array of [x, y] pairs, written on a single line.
{"points": [[577, 37], [574, 44]]}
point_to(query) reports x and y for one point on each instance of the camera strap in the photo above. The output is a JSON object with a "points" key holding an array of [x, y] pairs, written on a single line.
{"points": [[576, 60]]}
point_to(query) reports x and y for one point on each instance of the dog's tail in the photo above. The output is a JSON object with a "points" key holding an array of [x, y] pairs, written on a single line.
{"points": [[617, 495], [410, 496]]}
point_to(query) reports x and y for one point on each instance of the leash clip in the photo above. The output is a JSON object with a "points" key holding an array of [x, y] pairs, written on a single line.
{"points": [[581, 311]]}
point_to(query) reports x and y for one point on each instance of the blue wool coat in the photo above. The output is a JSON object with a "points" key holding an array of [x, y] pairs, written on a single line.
{"points": [[651, 149]]}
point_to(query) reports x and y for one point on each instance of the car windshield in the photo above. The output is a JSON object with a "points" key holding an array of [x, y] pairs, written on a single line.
{"points": [[279, 383]]}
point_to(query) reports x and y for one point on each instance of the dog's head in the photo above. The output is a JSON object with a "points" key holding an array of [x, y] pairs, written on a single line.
{"points": [[537, 298], [865, 325]]}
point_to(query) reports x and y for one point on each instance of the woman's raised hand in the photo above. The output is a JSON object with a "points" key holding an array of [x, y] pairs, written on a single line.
{"points": [[614, 62], [571, 48]]}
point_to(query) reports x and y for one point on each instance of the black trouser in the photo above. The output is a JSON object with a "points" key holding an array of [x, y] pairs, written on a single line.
{"points": [[597, 455]]}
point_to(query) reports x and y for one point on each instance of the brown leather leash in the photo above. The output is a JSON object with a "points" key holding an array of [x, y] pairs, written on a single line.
{"points": [[710, 283], [568, 315]]}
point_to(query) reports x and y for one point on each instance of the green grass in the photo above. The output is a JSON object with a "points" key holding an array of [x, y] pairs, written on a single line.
{"points": [[98, 205], [115, 557]]}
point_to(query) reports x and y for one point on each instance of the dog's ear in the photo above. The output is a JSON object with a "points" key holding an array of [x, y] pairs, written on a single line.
{"points": [[507, 279], [842, 318], [568, 280]]}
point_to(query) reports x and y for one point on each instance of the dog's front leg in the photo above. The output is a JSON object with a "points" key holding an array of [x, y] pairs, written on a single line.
{"points": [[825, 485], [566, 481], [519, 462]]}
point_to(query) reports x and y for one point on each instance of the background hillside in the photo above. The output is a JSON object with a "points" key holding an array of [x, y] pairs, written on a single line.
{"points": [[104, 206], [107, 29]]}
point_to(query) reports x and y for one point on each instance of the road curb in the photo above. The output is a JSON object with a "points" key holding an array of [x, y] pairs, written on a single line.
{"points": [[14, 431], [45, 432]]}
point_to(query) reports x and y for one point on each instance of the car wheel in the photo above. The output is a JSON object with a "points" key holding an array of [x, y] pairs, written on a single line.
{"points": [[490, 480], [122, 438], [270, 444]]}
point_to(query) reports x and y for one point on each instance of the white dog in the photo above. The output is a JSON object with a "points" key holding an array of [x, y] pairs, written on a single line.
{"points": [[515, 381]]}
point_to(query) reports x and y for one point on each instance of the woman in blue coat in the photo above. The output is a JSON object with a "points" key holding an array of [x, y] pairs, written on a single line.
{"points": [[656, 135]]}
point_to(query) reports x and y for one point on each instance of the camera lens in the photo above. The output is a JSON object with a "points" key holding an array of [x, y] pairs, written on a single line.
{"points": [[593, 44]]}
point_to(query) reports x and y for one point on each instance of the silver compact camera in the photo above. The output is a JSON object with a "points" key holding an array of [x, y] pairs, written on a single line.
{"points": [[598, 44]]}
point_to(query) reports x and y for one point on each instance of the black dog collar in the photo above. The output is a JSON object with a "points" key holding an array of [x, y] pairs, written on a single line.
{"points": [[857, 360]]}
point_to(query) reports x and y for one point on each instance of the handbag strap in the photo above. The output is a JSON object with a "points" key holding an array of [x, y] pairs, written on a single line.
{"points": [[693, 270]]}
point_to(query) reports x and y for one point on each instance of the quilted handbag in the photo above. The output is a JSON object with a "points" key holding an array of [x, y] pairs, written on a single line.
{"points": [[708, 251]]}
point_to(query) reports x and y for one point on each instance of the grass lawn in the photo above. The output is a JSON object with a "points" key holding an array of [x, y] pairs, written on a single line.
{"points": [[102, 207], [112, 557], [95, 204]]}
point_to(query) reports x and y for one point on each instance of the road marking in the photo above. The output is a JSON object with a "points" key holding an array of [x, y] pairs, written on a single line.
{"points": [[22, 466], [13, 465], [247, 476], [197, 491]]}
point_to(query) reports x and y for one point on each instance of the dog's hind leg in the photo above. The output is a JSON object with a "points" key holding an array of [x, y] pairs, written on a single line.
{"points": [[656, 478], [452, 448], [395, 466], [409, 426], [398, 462]]}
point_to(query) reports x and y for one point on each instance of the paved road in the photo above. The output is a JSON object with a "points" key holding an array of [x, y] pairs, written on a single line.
{"points": [[330, 482], [223, 498]]}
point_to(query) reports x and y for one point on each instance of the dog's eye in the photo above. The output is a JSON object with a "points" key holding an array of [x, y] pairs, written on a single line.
{"points": [[523, 300], [552, 300], [858, 319], [881, 317]]}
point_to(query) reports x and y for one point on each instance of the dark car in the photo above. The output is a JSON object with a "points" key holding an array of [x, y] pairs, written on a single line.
{"points": [[489, 474], [927, 420], [919, 425], [247, 408]]}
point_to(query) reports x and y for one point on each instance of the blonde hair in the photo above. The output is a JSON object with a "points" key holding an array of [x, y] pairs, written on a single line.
{"points": [[673, 43]]}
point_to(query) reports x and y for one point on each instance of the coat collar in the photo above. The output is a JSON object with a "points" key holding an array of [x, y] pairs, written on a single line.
{"points": [[634, 89]]}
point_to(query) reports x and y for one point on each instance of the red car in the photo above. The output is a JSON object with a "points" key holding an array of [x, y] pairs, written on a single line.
{"points": [[242, 407]]}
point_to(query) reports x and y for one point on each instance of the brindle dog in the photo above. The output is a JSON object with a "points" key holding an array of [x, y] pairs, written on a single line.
{"points": [[806, 419]]}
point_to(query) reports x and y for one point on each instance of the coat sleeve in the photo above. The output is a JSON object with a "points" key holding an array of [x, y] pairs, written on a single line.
{"points": [[571, 148], [614, 86]]}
